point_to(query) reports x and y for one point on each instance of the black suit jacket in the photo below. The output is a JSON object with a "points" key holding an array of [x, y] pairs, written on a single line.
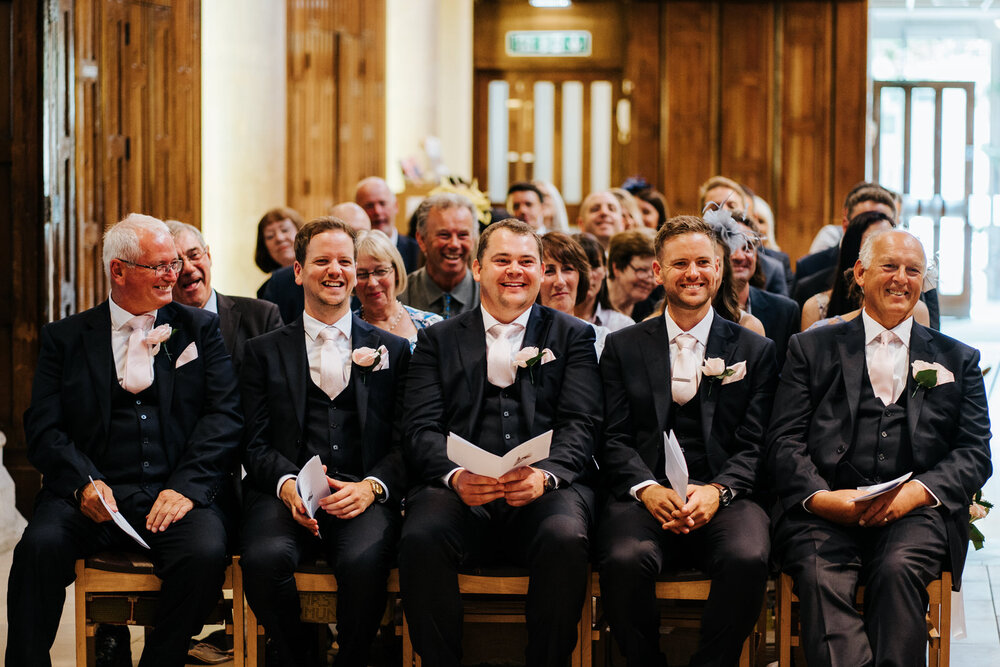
{"points": [[447, 382], [785, 262], [273, 384], [817, 261], [282, 290], [774, 275], [780, 316], [816, 405], [67, 423], [635, 367], [410, 251], [241, 319]]}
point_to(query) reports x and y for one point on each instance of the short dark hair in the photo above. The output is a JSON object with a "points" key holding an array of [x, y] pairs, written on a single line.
{"points": [[843, 298], [680, 225], [525, 186], [872, 192], [626, 245], [317, 226], [655, 199], [261, 257], [562, 248], [512, 225]]}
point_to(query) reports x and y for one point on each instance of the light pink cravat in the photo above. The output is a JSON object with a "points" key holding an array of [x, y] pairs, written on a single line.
{"points": [[684, 376], [332, 380], [880, 370], [138, 356], [500, 369]]}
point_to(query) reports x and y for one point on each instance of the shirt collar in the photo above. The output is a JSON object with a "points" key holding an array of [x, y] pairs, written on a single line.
{"points": [[489, 321], [212, 305], [120, 317], [873, 329], [700, 331], [314, 326]]}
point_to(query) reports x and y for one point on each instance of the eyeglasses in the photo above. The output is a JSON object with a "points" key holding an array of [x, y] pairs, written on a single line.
{"points": [[642, 271], [160, 269], [378, 273], [193, 255]]}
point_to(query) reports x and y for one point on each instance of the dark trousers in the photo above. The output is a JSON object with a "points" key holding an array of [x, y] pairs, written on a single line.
{"points": [[548, 537], [361, 552], [732, 550], [895, 563], [190, 557]]}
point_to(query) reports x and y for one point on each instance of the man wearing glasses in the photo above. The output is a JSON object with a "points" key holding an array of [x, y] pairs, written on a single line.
{"points": [[134, 411]]}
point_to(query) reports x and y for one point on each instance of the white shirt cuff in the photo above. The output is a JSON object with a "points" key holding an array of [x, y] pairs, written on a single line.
{"points": [[634, 491], [937, 501], [384, 487], [810, 496], [281, 481], [447, 478]]}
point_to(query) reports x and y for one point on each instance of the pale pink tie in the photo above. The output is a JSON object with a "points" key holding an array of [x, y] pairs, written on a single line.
{"points": [[500, 369], [332, 379], [138, 356], [684, 375], [881, 368]]}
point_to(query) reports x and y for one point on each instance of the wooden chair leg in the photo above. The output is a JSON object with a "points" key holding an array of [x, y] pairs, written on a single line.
{"points": [[408, 655], [239, 607], [944, 653], [80, 620], [252, 630], [783, 620]]}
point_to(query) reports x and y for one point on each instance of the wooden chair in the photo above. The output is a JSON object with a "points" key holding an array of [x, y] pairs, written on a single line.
{"points": [[502, 581], [686, 585], [938, 620], [317, 588], [120, 588]]}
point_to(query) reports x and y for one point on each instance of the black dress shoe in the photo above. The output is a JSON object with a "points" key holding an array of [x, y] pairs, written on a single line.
{"points": [[112, 646]]}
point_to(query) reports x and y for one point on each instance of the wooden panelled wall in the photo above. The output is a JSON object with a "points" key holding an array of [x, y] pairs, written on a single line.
{"points": [[336, 100], [772, 94]]}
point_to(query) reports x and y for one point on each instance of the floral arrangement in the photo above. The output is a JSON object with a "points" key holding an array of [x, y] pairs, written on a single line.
{"points": [[459, 186], [979, 508]]}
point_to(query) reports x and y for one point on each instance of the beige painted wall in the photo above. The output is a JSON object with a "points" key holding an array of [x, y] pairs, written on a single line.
{"points": [[428, 82], [243, 132]]}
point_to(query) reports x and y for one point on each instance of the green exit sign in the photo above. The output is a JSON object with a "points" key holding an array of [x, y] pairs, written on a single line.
{"points": [[548, 43]]}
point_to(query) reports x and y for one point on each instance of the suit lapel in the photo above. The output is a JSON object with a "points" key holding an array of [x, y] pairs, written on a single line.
{"points": [[229, 317], [472, 356], [720, 345], [655, 353], [922, 348], [851, 345], [362, 335], [100, 358], [295, 362], [535, 335], [163, 362]]}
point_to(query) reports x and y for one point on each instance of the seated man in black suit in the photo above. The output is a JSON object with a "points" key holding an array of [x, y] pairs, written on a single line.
{"points": [[151, 415], [374, 196], [240, 318], [310, 389], [463, 379], [659, 376], [855, 407]]}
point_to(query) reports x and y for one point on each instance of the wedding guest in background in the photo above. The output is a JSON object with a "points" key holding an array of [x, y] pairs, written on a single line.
{"points": [[352, 214], [595, 307], [631, 214], [653, 206], [275, 238], [726, 299], [553, 207], [630, 272], [374, 196], [525, 202], [566, 278], [851, 410], [381, 277], [601, 216]]}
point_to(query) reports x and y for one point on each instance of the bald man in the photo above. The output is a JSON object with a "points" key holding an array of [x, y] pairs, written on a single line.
{"points": [[352, 214], [378, 201]]}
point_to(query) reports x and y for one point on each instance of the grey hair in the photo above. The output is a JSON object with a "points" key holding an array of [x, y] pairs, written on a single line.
{"points": [[121, 240], [177, 228], [442, 202], [374, 242], [866, 254]]}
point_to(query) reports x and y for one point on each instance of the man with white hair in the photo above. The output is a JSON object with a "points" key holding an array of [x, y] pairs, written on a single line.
{"points": [[877, 399], [134, 410]]}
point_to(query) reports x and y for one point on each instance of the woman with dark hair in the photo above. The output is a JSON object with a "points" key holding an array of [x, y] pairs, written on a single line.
{"points": [[842, 301], [566, 278], [653, 206], [630, 272], [595, 307], [275, 247]]}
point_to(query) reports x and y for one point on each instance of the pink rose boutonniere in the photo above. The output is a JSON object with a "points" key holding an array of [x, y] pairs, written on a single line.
{"points": [[929, 376], [715, 370], [530, 357], [157, 336], [368, 360]]}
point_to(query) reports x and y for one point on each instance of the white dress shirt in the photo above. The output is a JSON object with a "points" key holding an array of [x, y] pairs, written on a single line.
{"points": [[120, 334]]}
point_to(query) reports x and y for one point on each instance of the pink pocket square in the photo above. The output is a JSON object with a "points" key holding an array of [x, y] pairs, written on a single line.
{"points": [[190, 353]]}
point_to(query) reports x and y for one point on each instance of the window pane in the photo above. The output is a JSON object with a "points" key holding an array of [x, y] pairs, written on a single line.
{"points": [[922, 143], [951, 255], [600, 135], [953, 113], [890, 138], [572, 142], [497, 142], [545, 118]]}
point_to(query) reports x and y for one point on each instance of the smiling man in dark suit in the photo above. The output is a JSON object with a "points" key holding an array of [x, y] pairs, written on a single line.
{"points": [[851, 411], [152, 416], [311, 388], [463, 380], [240, 318], [711, 382]]}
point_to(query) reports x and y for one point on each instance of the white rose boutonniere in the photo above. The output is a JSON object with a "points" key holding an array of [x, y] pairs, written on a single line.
{"points": [[368, 360], [929, 376], [529, 357], [715, 370]]}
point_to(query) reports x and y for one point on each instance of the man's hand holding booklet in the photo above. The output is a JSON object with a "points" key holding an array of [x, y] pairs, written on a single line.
{"points": [[481, 462]]}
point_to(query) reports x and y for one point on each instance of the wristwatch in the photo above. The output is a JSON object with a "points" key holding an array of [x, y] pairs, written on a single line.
{"points": [[725, 495], [550, 482], [377, 490]]}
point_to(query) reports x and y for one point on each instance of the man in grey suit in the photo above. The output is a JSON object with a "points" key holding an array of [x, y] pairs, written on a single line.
{"points": [[240, 318], [865, 402]]}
